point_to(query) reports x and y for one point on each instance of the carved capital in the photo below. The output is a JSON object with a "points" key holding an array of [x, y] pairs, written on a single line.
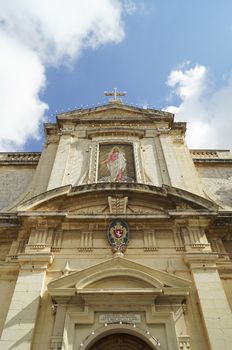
{"points": [[201, 261], [39, 261]]}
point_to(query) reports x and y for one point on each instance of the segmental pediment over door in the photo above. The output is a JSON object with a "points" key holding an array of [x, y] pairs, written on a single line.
{"points": [[117, 277]]}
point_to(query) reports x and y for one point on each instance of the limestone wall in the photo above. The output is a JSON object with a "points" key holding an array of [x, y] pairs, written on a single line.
{"points": [[14, 183], [68, 236], [165, 258], [43, 171], [217, 182], [191, 180], [84, 245], [7, 286]]}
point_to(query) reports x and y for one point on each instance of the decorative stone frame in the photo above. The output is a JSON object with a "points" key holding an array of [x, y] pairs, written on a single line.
{"points": [[95, 332], [131, 144], [156, 295], [121, 328], [94, 156]]}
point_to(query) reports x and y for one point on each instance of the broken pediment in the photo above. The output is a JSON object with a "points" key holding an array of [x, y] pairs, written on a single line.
{"points": [[117, 199], [119, 276]]}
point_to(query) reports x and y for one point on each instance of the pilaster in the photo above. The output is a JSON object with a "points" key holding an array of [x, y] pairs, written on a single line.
{"points": [[58, 329], [21, 317], [61, 161], [174, 171], [45, 165], [194, 236], [214, 305]]}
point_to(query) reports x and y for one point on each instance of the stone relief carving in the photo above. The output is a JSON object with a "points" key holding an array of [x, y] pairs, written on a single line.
{"points": [[117, 205], [86, 241], [217, 246], [57, 240], [178, 239], [18, 246], [149, 240], [118, 236]]}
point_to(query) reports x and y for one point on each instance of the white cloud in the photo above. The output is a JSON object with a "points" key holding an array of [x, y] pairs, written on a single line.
{"points": [[207, 112], [34, 34], [21, 78]]}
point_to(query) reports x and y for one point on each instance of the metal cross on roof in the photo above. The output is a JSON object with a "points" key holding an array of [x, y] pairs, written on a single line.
{"points": [[115, 94]]}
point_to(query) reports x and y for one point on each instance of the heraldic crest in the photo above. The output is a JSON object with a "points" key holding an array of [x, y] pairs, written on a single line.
{"points": [[118, 235]]}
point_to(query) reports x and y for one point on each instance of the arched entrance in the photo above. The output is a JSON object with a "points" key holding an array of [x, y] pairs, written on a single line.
{"points": [[120, 341]]}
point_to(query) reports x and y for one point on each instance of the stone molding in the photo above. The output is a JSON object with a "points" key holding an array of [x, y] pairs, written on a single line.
{"points": [[158, 283], [35, 261], [120, 132], [184, 342], [118, 204], [56, 342], [21, 158], [89, 114], [9, 271], [201, 261], [152, 317], [211, 156], [168, 192]]}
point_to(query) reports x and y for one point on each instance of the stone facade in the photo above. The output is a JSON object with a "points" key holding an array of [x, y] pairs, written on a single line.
{"points": [[87, 262]]}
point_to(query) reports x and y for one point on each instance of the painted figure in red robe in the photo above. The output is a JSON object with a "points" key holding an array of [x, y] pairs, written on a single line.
{"points": [[116, 164]]}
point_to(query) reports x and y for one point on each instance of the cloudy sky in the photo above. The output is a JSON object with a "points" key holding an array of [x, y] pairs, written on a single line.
{"points": [[167, 54]]}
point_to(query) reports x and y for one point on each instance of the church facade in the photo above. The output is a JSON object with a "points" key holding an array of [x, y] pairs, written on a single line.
{"points": [[116, 236]]}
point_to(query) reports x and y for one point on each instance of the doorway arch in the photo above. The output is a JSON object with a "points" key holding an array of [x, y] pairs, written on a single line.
{"points": [[120, 341]]}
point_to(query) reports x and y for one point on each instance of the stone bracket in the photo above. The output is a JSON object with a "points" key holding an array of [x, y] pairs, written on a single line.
{"points": [[56, 343], [35, 261], [184, 342]]}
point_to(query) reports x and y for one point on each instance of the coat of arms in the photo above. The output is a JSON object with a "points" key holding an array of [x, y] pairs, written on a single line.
{"points": [[118, 235]]}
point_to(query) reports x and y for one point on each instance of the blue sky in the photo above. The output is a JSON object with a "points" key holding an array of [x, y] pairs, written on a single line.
{"points": [[172, 54]]}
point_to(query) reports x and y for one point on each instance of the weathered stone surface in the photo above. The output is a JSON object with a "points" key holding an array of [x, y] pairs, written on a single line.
{"points": [[64, 286], [14, 182], [218, 182]]}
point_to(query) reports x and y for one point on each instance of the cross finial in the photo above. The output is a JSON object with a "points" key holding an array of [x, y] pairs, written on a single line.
{"points": [[115, 95]]}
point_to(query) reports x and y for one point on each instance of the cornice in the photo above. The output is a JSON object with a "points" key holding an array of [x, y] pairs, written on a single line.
{"points": [[19, 158], [8, 220], [115, 106], [116, 132], [113, 113], [176, 203], [211, 156], [36, 261], [9, 271], [223, 219], [201, 261], [158, 283]]}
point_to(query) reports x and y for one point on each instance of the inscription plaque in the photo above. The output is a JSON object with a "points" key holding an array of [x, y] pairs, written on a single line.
{"points": [[123, 317]]}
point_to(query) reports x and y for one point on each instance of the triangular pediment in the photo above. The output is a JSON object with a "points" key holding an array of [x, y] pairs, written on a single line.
{"points": [[109, 276], [114, 111]]}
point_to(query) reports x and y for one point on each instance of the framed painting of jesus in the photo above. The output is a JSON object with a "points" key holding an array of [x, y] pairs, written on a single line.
{"points": [[116, 163]]}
